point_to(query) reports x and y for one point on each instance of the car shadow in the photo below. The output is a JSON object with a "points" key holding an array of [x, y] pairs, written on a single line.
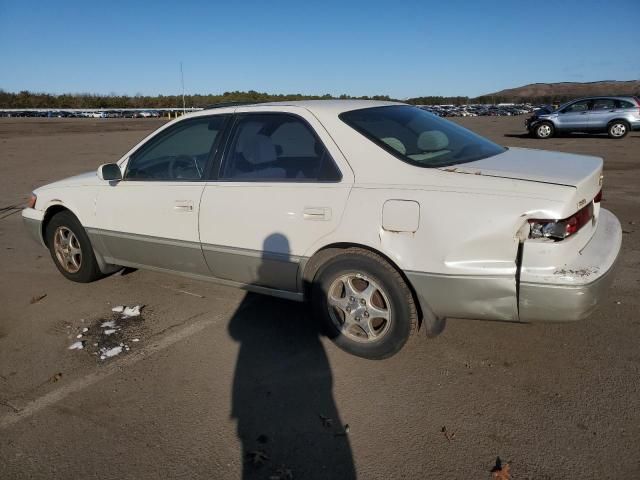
{"points": [[282, 398]]}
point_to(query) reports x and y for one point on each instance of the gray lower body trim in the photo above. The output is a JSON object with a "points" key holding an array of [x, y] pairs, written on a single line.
{"points": [[273, 270], [466, 296], [263, 272], [298, 297], [34, 228], [170, 255]]}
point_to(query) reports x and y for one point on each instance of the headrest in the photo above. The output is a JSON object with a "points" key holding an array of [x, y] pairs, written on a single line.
{"points": [[432, 141], [396, 144], [259, 149]]}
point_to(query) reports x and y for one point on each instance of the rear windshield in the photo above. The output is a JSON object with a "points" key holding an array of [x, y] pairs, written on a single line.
{"points": [[419, 137]]}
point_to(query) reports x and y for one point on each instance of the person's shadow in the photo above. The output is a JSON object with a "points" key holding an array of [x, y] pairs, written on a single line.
{"points": [[287, 419]]}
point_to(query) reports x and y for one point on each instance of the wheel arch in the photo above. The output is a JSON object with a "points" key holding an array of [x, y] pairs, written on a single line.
{"points": [[56, 208], [49, 213], [622, 119], [311, 267]]}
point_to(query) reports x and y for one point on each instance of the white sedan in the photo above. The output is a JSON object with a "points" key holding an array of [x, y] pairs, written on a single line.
{"points": [[384, 216]]}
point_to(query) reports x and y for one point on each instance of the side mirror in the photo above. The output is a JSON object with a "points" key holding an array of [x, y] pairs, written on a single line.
{"points": [[110, 172]]}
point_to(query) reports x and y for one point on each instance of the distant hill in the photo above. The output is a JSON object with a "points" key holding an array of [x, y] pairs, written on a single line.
{"points": [[570, 89]]}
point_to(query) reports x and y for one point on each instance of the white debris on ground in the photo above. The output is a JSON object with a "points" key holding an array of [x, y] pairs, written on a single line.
{"points": [[131, 311], [106, 336], [76, 346], [110, 352]]}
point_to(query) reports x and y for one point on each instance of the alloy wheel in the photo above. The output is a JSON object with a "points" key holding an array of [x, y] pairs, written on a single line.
{"points": [[359, 307], [67, 249], [618, 129]]}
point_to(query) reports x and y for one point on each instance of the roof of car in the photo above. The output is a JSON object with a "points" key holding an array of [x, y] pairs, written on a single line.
{"points": [[322, 106]]}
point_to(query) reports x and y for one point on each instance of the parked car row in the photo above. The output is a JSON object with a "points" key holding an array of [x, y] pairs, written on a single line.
{"points": [[73, 113], [480, 110]]}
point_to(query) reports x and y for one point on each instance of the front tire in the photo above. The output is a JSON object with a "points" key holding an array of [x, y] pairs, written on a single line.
{"points": [[618, 129], [544, 130], [364, 304], [71, 249]]}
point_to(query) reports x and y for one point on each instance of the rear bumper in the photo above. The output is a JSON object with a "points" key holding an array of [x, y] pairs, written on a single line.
{"points": [[32, 220], [573, 291]]}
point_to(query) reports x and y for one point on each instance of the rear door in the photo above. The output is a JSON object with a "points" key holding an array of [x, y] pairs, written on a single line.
{"points": [[283, 184], [574, 116], [150, 218], [603, 111]]}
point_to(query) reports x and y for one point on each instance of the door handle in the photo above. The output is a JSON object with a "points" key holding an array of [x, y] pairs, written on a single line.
{"points": [[316, 213], [183, 206]]}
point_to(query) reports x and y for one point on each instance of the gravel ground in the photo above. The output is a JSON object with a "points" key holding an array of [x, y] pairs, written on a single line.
{"points": [[217, 383]]}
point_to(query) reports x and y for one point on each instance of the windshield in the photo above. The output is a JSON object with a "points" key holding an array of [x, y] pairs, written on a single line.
{"points": [[419, 137]]}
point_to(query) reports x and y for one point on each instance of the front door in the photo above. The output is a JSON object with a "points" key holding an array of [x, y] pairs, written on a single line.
{"points": [[282, 186], [150, 218], [575, 116]]}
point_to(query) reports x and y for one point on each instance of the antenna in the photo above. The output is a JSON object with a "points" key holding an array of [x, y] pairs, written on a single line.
{"points": [[184, 109]]}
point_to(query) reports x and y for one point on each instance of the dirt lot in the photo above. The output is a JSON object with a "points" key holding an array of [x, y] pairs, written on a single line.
{"points": [[219, 384]]}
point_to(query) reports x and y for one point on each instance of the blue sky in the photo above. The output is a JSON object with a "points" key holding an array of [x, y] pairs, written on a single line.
{"points": [[401, 48]]}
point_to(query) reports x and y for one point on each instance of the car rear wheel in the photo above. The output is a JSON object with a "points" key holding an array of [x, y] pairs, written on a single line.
{"points": [[544, 130], [618, 129], [364, 304], [71, 249]]}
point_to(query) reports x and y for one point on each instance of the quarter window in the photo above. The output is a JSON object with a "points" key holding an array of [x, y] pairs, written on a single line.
{"points": [[277, 147], [178, 154], [624, 104]]}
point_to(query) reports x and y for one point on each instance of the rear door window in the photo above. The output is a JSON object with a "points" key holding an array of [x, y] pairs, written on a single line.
{"points": [[277, 147], [604, 104]]}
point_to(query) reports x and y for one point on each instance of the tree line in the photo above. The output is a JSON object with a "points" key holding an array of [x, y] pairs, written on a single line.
{"points": [[27, 99]]}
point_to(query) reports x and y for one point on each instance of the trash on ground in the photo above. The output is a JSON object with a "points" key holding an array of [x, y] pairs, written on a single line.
{"points": [[76, 346], [499, 471], [118, 309], [37, 298]]}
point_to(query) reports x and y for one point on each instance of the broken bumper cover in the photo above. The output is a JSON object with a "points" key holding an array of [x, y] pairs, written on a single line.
{"points": [[579, 285], [32, 220]]}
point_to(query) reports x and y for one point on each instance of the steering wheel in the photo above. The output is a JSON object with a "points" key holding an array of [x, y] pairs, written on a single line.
{"points": [[182, 160]]}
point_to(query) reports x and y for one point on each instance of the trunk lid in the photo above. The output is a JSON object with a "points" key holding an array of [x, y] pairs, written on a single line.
{"points": [[582, 172]]}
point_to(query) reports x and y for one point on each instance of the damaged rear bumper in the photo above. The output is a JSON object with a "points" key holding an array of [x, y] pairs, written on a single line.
{"points": [[573, 291]]}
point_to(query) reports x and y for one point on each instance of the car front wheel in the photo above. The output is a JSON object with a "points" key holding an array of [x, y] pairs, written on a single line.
{"points": [[544, 130], [71, 249], [618, 129], [364, 304]]}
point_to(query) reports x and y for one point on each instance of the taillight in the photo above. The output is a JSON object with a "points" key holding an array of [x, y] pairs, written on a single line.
{"points": [[32, 201], [561, 229], [598, 197]]}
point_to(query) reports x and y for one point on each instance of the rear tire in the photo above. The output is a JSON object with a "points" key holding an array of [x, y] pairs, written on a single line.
{"points": [[364, 304], [544, 130], [71, 249], [618, 129]]}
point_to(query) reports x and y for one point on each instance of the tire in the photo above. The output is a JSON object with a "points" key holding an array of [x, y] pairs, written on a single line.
{"points": [[618, 129], [544, 130], [71, 249], [349, 291]]}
